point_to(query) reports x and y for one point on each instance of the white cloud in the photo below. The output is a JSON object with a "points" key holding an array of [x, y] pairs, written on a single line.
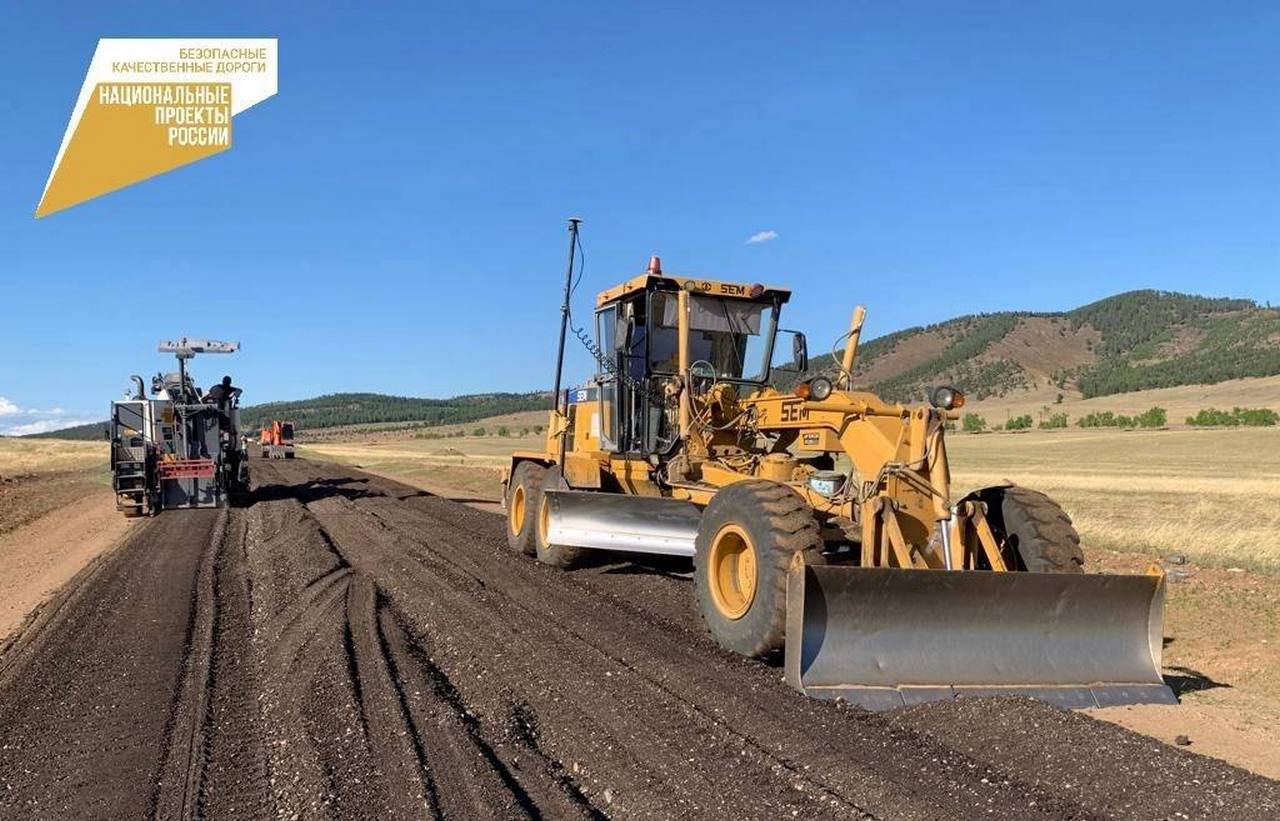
{"points": [[35, 420], [762, 237], [43, 426]]}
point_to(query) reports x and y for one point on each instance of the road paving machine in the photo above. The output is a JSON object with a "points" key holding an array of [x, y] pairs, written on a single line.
{"points": [[182, 447], [820, 518]]}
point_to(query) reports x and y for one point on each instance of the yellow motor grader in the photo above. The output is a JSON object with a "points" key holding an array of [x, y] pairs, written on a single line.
{"points": [[820, 518]]}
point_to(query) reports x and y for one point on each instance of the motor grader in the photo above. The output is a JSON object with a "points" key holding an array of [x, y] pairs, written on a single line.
{"points": [[819, 517]]}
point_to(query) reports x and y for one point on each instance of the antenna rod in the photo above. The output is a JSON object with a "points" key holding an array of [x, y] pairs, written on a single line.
{"points": [[564, 307]]}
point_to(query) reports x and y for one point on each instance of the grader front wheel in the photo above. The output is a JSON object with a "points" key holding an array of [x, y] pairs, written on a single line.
{"points": [[555, 555], [732, 571], [745, 542], [524, 492]]}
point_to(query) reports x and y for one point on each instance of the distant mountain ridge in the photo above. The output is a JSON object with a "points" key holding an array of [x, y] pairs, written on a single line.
{"points": [[1127, 342], [334, 409]]}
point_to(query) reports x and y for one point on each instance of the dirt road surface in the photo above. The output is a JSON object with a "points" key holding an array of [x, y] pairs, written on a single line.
{"points": [[349, 647], [39, 557]]}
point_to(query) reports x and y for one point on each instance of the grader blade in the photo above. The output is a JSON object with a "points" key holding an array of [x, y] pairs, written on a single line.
{"points": [[883, 638], [612, 521]]}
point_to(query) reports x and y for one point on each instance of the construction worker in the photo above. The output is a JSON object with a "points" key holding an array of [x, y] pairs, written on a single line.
{"points": [[222, 392], [222, 395]]}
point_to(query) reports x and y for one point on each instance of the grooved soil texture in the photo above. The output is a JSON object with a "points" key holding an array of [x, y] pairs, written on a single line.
{"points": [[348, 647]]}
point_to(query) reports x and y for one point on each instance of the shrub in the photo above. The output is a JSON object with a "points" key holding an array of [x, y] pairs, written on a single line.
{"points": [[1250, 417], [478, 432], [1257, 417], [973, 423], [503, 432], [1153, 418], [1150, 418], [1105, 419], [1057, 420], [1023, 422]]}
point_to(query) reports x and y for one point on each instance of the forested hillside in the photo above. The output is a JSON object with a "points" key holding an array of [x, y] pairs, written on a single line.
{"points": [[1131, 341], [1128, 342], [336, 409]]}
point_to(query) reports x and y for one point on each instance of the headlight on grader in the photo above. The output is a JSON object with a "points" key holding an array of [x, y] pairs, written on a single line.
{"points": [[946, 398], [817, 389]]}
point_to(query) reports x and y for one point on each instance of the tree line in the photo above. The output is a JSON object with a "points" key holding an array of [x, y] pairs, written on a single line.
{"points": [[1154, 417]]}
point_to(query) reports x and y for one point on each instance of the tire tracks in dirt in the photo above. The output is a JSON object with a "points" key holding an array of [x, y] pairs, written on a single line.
{"points": [[389, 720], [510, 605], [89, 689], [349, 648], [648, 719]]}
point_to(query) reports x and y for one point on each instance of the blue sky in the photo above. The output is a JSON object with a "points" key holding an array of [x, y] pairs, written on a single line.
{"points": [[405, 192]]}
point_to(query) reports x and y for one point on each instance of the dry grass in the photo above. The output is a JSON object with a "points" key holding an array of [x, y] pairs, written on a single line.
{"points": [[468, 451], [468, 465], [28, 457], [1180, 402], [514, 422], [1211, 495]]}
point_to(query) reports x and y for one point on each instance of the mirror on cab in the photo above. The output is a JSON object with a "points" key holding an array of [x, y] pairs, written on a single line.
{"points": [[799, 353]]}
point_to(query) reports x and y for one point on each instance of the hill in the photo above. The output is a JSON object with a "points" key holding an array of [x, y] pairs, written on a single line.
{"points": [[1135, 341], [81, 433], [336, 409], [346, 409], [1132, 341]]}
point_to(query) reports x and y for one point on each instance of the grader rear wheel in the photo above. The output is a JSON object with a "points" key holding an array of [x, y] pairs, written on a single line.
{"points": [[524, 492], [745, 542], [1037, 534]]}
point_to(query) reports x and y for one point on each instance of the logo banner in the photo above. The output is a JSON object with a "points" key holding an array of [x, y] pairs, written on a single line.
{"points": [[148, 106]]}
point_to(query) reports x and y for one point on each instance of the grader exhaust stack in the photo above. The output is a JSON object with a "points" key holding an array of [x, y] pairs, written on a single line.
{"points": [[819, 518]]}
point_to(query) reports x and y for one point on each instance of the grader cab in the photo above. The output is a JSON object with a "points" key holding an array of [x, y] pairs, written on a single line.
{"points": [[820, 517]]}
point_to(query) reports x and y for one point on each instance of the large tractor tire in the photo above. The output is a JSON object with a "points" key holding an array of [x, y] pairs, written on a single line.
{"points": [[524, 493], [1037, 533], [555, 555], [745, 542]]}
